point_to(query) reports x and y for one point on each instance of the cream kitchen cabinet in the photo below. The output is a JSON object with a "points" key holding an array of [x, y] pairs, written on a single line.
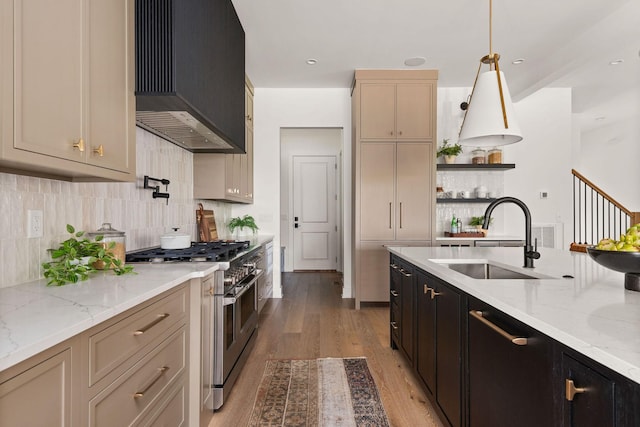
{"points": [[42, 391], [227, 177], [67, 89], [394, 116], [397, 111], [396, 190]]}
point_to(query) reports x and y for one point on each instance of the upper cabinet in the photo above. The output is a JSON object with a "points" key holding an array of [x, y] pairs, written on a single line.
{"points": [[67, 100], [398, 111]]}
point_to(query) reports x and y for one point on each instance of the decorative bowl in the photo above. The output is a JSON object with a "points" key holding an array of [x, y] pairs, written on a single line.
{"points": [[624, 262]]}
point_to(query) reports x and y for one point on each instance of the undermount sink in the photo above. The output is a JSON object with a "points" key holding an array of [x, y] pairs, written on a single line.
{"points": [[485, 270]]}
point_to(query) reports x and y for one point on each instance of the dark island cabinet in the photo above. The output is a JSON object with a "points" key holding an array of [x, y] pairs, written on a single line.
{"points": [[593, 395], [402, 302], [510, 365], [439, 344]]}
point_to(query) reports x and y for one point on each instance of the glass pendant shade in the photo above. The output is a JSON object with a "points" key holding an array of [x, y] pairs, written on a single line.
{"points": [[484, 123]]}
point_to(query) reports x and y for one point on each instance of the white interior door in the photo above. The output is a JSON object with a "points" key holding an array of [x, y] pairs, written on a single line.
{"points": [[314, 213]]}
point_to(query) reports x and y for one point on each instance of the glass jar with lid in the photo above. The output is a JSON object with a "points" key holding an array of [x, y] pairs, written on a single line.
{"points": [[113, 239], [478, 156], [495, 155]]}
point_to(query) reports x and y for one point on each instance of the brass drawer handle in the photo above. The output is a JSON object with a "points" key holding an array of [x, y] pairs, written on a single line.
{"points": [[515, 340], [79, 145], [161, 372], [159, 319], [394, 293], [394, 325], [571, 390], [404, 273], [99, 151], [395, 267]]}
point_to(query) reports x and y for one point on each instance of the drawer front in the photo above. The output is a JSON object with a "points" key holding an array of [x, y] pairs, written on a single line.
{"points": [[172, 412], [127, 399], [119, 342]]}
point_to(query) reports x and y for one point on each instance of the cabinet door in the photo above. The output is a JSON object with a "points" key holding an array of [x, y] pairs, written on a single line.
{"points": [[426, 331], [593, 404], [394, 301], [414, 191], [373, 272], [407, 309], [48, 76], [509, 384], [110, 112], [39, 396], [206, 342], [377, 173], [377, 111], [413, 111], [249, 147]]}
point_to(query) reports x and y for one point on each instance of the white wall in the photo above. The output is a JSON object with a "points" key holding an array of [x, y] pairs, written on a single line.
{"points": [[610, 157], [275, 109]]}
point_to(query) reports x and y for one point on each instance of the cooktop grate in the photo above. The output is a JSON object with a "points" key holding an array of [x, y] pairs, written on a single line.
{"points": [[198, 252]]}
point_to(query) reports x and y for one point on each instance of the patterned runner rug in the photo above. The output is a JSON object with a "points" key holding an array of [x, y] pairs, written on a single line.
{"points": [[318, 392]]}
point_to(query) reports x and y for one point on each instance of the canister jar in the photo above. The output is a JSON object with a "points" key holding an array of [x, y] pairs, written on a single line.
{"points": [[112, 239], [495, 156], [478, 156]]}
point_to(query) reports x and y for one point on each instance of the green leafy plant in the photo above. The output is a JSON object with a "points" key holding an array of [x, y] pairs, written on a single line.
{"points": [[449, 150], [478, 220], [77, 257], [246, 221]]}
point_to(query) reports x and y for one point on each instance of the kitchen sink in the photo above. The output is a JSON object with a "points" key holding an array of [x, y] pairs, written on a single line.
{"points": [[486, 270]]}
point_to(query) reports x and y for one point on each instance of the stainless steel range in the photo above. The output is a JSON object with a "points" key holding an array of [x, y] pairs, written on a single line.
{"points": [[231, 332]]}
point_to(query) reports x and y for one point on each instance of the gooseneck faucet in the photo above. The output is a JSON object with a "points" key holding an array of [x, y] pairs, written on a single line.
{"points": [[530, 253]]}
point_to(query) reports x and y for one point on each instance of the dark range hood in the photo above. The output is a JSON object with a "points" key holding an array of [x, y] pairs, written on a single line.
{"points": [[190, 76]]}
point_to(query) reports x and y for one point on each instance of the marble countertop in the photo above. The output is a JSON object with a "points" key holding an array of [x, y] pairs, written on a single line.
{"points": [[34, 317], [591, 313]]}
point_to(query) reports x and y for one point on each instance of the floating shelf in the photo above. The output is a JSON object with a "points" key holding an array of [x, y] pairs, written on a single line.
{"points": [[482, 166], [461, 200]]}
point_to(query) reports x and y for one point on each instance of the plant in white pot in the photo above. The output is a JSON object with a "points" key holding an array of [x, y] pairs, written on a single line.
{"points": [[238, 225], [449, 152]]}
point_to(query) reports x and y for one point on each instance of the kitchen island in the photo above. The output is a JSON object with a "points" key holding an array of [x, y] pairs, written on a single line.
{"points": [[573, 317]]}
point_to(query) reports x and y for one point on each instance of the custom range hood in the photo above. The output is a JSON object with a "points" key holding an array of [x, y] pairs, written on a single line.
{"points": [[190, 76]]}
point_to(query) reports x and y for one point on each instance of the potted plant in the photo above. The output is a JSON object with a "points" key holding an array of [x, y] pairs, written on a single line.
{"points": [[478, 222], [449, 152], [77, 257], [238, 224]]}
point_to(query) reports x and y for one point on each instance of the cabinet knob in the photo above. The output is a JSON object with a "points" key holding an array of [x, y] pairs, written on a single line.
{"points": [[400, 133], [99, 151], [571, 390], [391, 133], [79, 145]]}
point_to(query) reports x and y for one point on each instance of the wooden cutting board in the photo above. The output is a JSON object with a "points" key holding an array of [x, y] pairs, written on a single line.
{"points": [[206, 221]]}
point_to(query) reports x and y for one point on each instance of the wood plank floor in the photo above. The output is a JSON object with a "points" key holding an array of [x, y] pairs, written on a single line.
{"points": [[313, 321]]}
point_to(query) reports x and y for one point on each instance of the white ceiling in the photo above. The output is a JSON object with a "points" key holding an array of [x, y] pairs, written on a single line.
{"points": [[566, 43]]}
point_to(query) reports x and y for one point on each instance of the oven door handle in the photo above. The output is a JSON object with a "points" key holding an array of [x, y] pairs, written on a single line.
{"points": [[232, 300]]}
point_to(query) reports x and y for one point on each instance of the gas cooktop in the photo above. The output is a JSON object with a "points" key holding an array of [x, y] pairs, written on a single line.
{"points": [[220, 250]]}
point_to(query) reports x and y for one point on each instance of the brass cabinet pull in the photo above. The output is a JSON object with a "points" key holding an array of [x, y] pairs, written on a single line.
{"points": [[389, 215], [571, 390], [394, 266], [391, 133], [79, 145], [159, 375], [404, 273], [159, 319], [99, 151], [394, 325], [515, 340], [400, 214], [400, 133], [394, 293], [425, 289], [434, 294]]}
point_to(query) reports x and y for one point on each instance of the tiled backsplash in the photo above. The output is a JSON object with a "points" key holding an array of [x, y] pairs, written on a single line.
{"points": [[462, 180], [127, 206]]}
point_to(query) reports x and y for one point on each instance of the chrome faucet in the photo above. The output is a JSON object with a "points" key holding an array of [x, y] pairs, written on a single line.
{"points": [[530, 252]]}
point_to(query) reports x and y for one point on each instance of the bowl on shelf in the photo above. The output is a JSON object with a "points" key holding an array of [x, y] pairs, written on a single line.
{"points": [[624, 262]]}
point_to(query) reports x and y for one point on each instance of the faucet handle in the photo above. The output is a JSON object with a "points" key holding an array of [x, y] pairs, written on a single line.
{"points": [[534, 254]]}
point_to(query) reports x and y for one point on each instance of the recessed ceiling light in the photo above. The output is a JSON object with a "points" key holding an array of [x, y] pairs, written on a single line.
{"points": [[415, 61], [517, 61], [312, 61], [616, 62]]}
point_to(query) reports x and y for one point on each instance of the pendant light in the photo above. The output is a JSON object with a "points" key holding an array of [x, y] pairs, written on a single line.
{"points": [[489, 120]]}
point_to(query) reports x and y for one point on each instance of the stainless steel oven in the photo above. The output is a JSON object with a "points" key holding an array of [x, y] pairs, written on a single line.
{"points": [[235, 322]]}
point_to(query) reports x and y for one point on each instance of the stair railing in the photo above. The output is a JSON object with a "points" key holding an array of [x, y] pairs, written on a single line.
{"points": [[596, 215]]}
